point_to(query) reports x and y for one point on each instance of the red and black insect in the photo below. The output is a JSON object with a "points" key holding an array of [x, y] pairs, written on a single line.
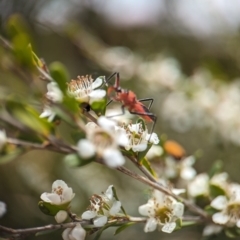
{"points": [[129, 100]]}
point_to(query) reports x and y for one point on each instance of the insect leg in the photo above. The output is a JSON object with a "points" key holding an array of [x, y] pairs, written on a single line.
{"points": [[151, 100], [151, 115], [109, 78]]}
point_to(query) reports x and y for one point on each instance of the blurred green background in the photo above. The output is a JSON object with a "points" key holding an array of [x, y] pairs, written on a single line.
{"points": [[184, 54]]}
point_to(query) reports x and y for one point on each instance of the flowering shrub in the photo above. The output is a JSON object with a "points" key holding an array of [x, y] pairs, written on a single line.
{"points": [[178, 194]]}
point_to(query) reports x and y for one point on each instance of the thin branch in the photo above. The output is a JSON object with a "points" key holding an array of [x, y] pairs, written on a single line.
{"points": [[163, 189], [55, 148]]}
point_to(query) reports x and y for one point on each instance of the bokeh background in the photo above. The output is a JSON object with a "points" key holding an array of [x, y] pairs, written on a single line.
{"points": [[184, 54]]}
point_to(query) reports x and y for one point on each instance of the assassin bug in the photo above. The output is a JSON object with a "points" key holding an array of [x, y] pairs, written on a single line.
{"points": [[129, 100]]}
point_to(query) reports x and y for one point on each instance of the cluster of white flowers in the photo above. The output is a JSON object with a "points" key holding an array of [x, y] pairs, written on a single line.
{"points": [[101, 207], [139, 137], [104, 140], [61, 195], [162, 211], [53, 94]]}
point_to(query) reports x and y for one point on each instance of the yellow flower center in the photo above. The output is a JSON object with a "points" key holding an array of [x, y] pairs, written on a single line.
{"points": [[163, 214]]}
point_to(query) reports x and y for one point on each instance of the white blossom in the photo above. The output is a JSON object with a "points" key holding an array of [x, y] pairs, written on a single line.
{"points": [[228, 207], [3, 138], [139, 137], [104, 141], [220, 180], [61, 194], [102, 207], [3, 208], [199, 186], [154, 152], [211, 229], [54, 93], [85, 89], [48, 113], [61, 216], [76, 233], [162, 212]]}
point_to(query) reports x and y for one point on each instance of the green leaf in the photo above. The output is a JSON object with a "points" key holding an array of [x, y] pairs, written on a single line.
{"points": [[178, 224], [99, 107], [231, 232], [188, 223], [147, 165], [142, 122], [73, 160], [71, 104], [60, 74], [123, 227], [216, 168], [52, 210], [29, 117], [210, 210], [36, 60], [100, 231], [19, 33], [142, 154], [216, 191], [116, 197]]}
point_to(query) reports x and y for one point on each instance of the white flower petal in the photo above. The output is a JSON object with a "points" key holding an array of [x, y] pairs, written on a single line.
{"points": [[3, 208], [65, 234], [3, 138], [178, 191], [100, 221], [106, 124], [238, 223], [97, 83], [116, 207], [135, 128], [78, 233], [67, 195], [121, 137], [54, 93], [89, 215], [139, 147], [59, 183], [199, 185], [178, 209], [113, 158], [168, 227], [188, 161], [109, 192], [52, 198], [151, 225], [48, 113], [147, 209], [86, 149], [96, 95], [220, 218], [211, 230], [61, 216], [188, 173], [219, 202], [154, 151], [154, 138]]}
